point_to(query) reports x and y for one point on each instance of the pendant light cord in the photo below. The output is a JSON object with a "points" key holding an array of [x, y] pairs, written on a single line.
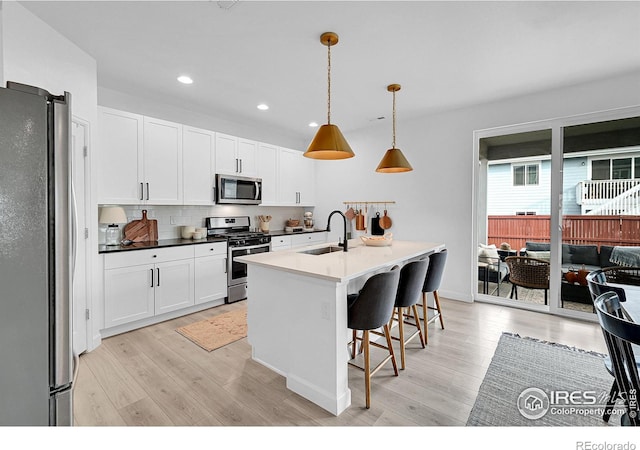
{"points": [[329, 82], [394, 120]]}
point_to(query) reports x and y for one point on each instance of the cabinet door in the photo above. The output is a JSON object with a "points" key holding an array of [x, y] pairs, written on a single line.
{"points": [[288, 176], [174, 285], [210, 278], [306, 180], [119, 157], [226, 154], [267, 158], [247, 153], [162, 162], [198, 168], [128, 294]]}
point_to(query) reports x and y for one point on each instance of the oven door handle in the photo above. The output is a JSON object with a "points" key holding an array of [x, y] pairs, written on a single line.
{"points": [[250, 247]]}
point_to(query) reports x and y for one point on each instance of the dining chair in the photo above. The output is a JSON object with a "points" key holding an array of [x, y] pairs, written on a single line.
{"points": [[597, 282], [371, 309], [620, 335]]}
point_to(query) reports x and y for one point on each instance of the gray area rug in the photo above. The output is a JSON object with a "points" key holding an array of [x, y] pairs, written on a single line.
{"points": [[535, 383]]}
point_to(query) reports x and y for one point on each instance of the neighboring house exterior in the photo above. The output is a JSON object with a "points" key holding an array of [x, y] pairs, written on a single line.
{"points": [[595, 182]]}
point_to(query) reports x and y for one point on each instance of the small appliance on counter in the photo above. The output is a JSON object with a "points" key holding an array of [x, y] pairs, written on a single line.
{"points": [[293, 226], [308, 221]]}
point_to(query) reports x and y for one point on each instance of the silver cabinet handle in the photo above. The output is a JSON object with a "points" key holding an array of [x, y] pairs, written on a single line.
{"points": [[158, 269], [141, 191], [225, 265], [147, 191], [240, 165], [237, 166], [151, 277]]}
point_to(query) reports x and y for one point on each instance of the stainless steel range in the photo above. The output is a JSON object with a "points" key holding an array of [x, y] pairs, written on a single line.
{"points": [[240, 241]]}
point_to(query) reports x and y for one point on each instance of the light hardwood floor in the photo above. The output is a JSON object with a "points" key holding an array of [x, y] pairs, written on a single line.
{"points": [[155, 377]]}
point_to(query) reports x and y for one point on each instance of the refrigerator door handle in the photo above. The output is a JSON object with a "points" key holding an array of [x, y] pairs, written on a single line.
{"points": [[74, 231], [61, 370]]}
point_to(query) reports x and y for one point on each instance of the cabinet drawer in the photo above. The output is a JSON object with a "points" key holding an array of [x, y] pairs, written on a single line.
{"points": [[211, 248], [308, 239], [151, 256], [280, 242]]}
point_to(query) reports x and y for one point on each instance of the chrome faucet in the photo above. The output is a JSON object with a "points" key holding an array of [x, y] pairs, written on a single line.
{"points": [[344, 239]]}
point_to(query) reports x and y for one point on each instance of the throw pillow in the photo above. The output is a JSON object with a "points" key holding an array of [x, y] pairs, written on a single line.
{"points": [[488, 253], [545, 256]]}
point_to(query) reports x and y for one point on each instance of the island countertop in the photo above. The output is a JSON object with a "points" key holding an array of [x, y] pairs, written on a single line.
{"points": [[341, 266]]}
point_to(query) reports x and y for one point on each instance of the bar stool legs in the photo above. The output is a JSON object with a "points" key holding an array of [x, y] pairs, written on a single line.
{"points": [[366, 348], [399, 311], [426, 308]]}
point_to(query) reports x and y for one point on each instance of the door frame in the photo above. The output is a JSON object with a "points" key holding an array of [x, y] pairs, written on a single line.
{"points": [[556, 126]]}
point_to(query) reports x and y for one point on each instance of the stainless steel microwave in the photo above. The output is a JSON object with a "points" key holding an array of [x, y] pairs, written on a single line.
{"points": [[231, 189]]}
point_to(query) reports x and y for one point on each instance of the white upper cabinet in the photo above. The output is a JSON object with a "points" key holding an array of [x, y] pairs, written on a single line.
{"points": [[120, 157], [140, 159], [247, 154], [198, 159], [235, 156], [296, 179], [267, 159], [162, 158]]}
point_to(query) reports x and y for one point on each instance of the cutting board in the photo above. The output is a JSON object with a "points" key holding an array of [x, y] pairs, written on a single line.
{"points": [[143, 230]]}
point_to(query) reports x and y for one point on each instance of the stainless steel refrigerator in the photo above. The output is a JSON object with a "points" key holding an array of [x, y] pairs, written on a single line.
{"points": [[36, 360]]}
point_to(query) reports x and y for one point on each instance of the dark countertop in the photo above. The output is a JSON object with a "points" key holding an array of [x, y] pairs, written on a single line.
{"points": [[176, 242], [157, 244]]}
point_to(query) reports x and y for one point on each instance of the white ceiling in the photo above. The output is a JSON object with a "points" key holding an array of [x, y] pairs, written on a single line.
{"points": [[444, 54]]}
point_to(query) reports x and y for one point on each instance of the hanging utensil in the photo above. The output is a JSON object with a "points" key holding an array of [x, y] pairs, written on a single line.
{"points": [[376, 229], [359, 220], [385, 221]]}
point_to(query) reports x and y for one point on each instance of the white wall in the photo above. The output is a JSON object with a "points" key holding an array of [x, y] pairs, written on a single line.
{"points": [[434, 202]]}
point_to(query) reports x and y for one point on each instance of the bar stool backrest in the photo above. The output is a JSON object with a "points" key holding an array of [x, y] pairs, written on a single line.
{"points": [[374, 304], [412, 276], [435, 270]]}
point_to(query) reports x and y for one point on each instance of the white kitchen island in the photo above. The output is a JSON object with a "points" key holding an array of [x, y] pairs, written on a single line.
{"points": [[297, 312]]}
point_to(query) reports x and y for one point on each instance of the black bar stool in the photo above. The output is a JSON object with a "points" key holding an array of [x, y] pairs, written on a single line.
{"points": [[412, 276], [432, 284], [371, 309]]}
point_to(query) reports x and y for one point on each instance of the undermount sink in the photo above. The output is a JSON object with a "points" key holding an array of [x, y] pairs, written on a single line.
{"points": [[323, 250]]}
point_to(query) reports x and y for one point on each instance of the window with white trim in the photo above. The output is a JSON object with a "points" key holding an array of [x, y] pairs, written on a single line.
{"points": [[526, 174]]}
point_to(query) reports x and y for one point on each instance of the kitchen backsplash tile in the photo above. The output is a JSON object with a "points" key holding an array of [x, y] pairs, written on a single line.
{"points": [[172, 218]]}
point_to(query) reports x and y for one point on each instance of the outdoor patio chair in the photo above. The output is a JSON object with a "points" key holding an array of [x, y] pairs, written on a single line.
{"points": [[530, 273], [620, 335]]}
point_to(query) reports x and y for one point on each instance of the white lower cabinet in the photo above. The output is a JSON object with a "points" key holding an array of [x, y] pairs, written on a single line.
{"points": [[279, 243], [210, 273], [128, 294], [141, 284], [174, 285]]}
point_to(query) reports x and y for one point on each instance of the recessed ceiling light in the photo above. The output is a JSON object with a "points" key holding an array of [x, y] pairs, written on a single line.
{"points": [[184, 79], [263, 107], [313, 124]]}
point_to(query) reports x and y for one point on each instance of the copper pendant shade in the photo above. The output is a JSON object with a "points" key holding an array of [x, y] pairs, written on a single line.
{"points": [[329, 143], [393, 160]]}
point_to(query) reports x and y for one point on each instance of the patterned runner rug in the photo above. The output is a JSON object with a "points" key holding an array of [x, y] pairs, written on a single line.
{"points": [[535, 383]]}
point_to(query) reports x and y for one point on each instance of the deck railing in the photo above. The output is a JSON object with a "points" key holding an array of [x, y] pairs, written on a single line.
{"points": [[597, 192], [591, 230]]}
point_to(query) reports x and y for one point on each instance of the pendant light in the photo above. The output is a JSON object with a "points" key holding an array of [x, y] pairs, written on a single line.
{"points": [[393, 160], [329, 143]]}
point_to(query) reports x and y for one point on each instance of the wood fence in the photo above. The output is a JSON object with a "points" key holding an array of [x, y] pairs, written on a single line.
{"points": [[591, 230]]}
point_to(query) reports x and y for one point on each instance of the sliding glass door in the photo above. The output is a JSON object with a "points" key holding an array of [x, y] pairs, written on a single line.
{"points": [[552, 199]]}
